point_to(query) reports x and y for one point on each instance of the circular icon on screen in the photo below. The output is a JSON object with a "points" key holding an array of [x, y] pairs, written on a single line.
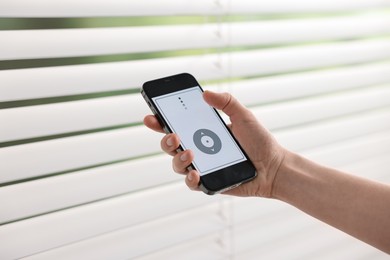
{"points": [[207, 141]]}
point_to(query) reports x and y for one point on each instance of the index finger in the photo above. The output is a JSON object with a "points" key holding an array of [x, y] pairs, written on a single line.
{"points": [[151, 122]]}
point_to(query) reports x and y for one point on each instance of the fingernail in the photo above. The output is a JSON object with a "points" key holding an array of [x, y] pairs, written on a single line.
{"points": [[189, 176], [169, 141], [183, 157]]}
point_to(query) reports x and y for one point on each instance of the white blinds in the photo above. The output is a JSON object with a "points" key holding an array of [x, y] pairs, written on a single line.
{"points": [[77, 42], [88, 8], [81, 178]]}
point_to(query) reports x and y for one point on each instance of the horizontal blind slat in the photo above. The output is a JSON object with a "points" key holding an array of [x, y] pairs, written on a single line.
{"points": [[305, 58], [301, 30], [207, 247], [343, 153], [102, 41], [321, 108], [30, 121], [67, 190], [49, 231], [267, 231], [81, 79], [150, 237], [297, 85], [90, 78], [374, 168], [322, 133], [302, 245], [348, 248], [90, 8], [298, 242], [303, 6], [46, 157]]}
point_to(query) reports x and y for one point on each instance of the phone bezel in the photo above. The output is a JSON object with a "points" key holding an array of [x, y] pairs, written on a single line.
{"points": [[217, 181]]}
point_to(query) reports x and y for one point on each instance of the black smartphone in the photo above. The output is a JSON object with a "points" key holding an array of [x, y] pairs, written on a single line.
{"points": [[177, 102]]}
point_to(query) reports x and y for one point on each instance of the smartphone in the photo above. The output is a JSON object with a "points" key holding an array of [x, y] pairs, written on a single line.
{"points": [[177, 102]]}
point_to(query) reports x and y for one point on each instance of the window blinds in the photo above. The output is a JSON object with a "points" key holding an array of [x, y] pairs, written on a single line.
{"points": [[81, 178]]}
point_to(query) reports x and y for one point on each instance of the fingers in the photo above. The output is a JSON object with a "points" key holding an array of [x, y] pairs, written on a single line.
{"points": [[151, 122], [182, 160], [192, 180], [180, 164], [170, 143]]}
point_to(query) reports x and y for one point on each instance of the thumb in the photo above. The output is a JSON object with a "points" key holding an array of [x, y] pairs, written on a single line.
{"points": [[225, 102]]}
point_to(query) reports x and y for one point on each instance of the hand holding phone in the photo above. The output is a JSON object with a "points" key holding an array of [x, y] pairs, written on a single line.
{"points": [[178, 104]]}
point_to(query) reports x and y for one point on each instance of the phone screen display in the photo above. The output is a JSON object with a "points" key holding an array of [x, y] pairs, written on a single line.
{"points": [[200, 129]]}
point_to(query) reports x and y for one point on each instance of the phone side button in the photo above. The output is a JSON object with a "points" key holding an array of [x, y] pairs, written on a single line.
{"points": [[160, 121], [166, 130]]}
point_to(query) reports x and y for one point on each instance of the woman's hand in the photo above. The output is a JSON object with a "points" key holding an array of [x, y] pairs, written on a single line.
{"points": [[261, 147]]}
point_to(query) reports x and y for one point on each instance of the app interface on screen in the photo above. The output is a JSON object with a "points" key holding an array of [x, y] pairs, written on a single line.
{"points": [[200, 129]]}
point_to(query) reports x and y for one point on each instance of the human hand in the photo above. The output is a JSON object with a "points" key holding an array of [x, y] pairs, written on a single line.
{"points": [[261, 147]]}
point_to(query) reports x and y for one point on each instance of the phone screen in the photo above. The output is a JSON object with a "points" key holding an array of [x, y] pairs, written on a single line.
{"points": [[200, 129]]}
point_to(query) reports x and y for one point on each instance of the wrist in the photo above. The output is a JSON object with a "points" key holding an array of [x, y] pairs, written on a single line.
{"points": [[267, 173], [284, 175]]}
